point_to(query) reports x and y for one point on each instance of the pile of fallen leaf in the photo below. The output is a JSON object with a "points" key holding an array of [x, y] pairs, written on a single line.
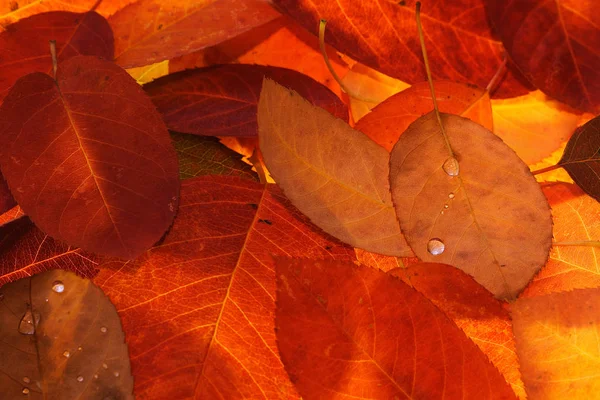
{"points": [[400, 254]]}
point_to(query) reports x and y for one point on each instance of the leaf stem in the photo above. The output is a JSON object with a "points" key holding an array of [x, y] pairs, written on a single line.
{"points": [[496, 78], [95, 5], [54, 60], [591, 243], [547, 169]]}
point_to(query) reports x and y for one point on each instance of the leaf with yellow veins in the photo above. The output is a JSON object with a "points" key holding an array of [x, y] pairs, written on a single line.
{"points": [[335, 175], [148, 73]]}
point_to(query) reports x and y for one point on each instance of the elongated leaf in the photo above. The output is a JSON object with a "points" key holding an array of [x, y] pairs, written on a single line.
{"points": [[25, 47], [555, 44], [207, 293], [88, 158], [486, 216], [390, 118], [343, 189], [61, 339], [222, 100], [149, 31], [348, 332], [581, 158], [557, 344]]}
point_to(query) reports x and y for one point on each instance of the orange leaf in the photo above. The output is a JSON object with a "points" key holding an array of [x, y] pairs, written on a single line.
{"points": [[150, 31], [207, 293], [11, 215], [557, 344], [354, 332]]}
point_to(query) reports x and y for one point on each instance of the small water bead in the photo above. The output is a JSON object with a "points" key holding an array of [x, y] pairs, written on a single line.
{"points": [[25, 390], [80, 378], [104, 366], [103, 329], [80, 348], [116, 373], [26, 379], [26, 326], [451, 196], [58, 286], [436, 247], [95, 376], [67, 354], [451, 167], [446, 206]]}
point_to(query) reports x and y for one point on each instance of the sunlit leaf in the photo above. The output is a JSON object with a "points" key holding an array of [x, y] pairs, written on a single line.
{"points": [[149, 73]]}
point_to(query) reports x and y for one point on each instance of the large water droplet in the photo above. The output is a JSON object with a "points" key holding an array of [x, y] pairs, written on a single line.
{"points": [[436, 247], [26, 326], [58, 286], [451, 166]]}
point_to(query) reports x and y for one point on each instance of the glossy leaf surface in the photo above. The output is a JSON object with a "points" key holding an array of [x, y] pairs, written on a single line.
{"points": [[88, 158], [346, 331]]}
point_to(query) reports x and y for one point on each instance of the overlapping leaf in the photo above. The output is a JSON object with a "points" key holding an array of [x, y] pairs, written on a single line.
{"points": [[222, 100], [351, 332], [486, 215], [149, 31], [88, 158], [207, 293], [6, 199], [342, 188]]}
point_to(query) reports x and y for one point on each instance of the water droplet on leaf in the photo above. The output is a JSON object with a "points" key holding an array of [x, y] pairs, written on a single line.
{"points": [[450, 166], [103, 329], [117, 374], [58, 286], [25, 390], [67, 354], [80, 378], [26, 379], [436, 247], [446, 206], [26, 326], [104, 366], [451, 195]]}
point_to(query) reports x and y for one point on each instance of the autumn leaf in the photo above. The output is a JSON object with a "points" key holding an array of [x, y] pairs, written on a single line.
{"points": [[557, 344], [342, 189], [391, 118], [481, 212], [61, 338], [25, 46], [222, 100], [149, 31], [210, 287], [73, 158], [553, 43], [6, 200], [345, 331], [148, 73]]}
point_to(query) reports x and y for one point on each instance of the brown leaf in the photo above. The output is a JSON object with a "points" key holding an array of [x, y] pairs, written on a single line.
{"points": [[353, 332], [72, 157], [343, 189], [222, 100], [210, 287], [487, 217], [61, 339], [149, 31]]}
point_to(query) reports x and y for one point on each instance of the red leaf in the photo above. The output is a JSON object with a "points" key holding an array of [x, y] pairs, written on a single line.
{"points": [[555, 44], [210, 287], [149, 31], [222, 100], [355, 332], [88, 158], [11, 215], [25, 47], [6, 200]]}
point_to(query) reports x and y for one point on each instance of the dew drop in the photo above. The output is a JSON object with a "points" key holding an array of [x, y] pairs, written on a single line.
{"points": [[1, 296], [26, 379], [442, 212], [58, 286], [80, 348], [104, 366], [116, 373], [67, 354], [436, 247], [451, 196], [95, 376], [25, 390], [80, 378], [26, 326], [451, 166], [446, 206], [103, 329]]}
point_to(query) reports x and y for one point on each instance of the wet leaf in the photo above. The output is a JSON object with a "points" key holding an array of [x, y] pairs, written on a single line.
{"points": [[149, 31], [343, 189], [25, 45], [76, 349], [581, 158], [210, 287], [222, 100], [554, 44], [72, 157], [557, 344], [352, 331], [497, 225], [390, 118]]}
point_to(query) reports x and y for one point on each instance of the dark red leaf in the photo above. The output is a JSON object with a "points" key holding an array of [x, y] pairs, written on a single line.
{"points": [[6, 200]]}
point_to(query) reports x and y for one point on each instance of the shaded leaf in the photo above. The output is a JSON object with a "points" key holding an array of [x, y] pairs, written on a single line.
{"points": [[76, 350], [222, 100], [575, 217], [390, 118], [88, 158], [557, 344], [483, 318], [348, 331], [581, 158], [497, 225], [207, 156], [6, 200], [343, 189], [149, 31], [210, 287], [25, 251], [25, 47], [555, 45]]}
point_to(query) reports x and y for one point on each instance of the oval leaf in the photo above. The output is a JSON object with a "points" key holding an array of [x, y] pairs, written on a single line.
{"points": [[497, 225], [76, 350], [332, 173], [88, 158], [222, 100], [355, 332]]}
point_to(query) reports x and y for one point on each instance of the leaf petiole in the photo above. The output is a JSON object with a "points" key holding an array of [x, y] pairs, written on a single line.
{"points": [[54, 60], [590, 243], [547, 169]]}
